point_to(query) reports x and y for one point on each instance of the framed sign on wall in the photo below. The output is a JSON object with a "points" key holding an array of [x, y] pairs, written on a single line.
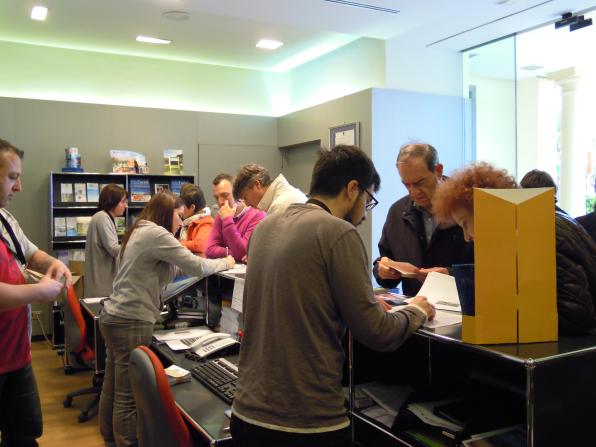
{"points": [[345, 134]]}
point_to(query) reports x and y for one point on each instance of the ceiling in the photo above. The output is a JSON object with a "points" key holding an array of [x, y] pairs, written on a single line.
{"points": [[224, 32]]}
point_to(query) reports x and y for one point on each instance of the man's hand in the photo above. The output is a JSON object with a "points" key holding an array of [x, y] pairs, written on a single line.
{"points": [[423, 303], [48, 288], [245, 259], [57, 270], [386, 272], [230, 261], [384, 304], [226, 211]]}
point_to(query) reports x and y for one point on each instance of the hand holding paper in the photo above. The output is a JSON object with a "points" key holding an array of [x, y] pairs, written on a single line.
{"points": [[405, 269]]}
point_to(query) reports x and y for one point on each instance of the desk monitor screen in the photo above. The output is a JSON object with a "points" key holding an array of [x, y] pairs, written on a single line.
{"points": [[178, 287]]}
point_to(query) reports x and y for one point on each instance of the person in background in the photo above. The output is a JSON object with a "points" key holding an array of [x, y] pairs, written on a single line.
{"points": [[540, 179], [231, 231], [308, 279], [20, 409], [411, 233], [589, 222], [253, 184], [576, 253], [197, 222], [146, 264], [102, 247]]}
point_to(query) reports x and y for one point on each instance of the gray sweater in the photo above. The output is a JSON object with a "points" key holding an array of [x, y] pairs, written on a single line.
{"points": [[147, 266], [101, 251], [307, 279]]}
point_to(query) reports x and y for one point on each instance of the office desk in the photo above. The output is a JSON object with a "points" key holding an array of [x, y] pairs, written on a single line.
{"points": [[91, 315], [203, 410], [554, 381]]}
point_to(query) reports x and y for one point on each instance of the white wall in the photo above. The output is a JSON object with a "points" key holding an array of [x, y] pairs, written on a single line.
{"points": [[496, 122], [411, 66], [400, 117]]}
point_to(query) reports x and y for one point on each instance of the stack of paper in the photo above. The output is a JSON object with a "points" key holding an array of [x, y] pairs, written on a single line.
{"points": [[177, 375]]}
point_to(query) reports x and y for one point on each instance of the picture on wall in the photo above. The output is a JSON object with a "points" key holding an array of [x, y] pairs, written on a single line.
{"points": [[128, 162], [161, 187], [348, 134], [172, 162]]}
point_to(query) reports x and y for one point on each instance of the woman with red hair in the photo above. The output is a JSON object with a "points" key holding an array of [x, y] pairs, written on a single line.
{"points": [[576, 253]]}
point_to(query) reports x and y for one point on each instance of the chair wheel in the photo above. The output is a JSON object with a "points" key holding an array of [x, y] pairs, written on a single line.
{"points": [[67, 402], [83, 417]]}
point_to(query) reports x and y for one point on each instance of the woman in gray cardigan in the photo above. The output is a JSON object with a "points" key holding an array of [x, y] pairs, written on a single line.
{"points": [[146, 264], [102, 247]]}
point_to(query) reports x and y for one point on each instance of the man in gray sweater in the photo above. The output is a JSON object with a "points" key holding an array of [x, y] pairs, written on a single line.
{"points": [[307, 280]]}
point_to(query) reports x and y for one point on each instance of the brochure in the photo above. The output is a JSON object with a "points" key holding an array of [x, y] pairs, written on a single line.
{"points": [[140, 190], [172, 162]]}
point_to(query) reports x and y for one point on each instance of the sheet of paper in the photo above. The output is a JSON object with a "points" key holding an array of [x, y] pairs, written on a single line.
{"points": [[406, 269], [443, 318], [179, 334], [237, 295], [94, 300], [441, 291], [235, 272]]}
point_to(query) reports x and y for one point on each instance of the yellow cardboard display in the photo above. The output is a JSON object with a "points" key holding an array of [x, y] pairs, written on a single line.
{"points": [[515, 267]]}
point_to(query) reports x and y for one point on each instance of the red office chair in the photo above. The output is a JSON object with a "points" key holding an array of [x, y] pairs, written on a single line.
{"points": [[159, 422], [78, 352]]}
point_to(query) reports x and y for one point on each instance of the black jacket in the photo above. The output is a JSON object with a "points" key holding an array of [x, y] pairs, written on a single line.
{"points": [[589, 223], [576, 278], [404, 239]]}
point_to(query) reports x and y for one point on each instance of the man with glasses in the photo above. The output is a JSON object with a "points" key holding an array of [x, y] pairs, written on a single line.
{"points": [[411, 233], [307, 280]]}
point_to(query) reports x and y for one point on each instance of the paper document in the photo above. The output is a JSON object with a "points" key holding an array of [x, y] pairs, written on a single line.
{"points": [[178, 334], [238, 271], [98, 299], [237, 295], [424, 411], [443, 318], [441, 291], [406, 269]]}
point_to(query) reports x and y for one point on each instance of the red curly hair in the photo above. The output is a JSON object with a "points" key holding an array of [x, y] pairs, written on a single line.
{"points": [[458, 191]]}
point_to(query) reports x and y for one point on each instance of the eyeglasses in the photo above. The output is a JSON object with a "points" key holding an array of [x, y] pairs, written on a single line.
{"points": [[371, 201]]}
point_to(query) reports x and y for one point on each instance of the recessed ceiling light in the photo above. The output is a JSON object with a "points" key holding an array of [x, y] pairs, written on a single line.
{"points": [[176, 16], [155, 40], [39, 12], [269, 44]]}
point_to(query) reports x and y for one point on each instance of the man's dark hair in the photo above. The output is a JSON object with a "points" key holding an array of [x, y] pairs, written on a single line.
{"points": [[5, 146], [193, 196], [537, 179], [110, 196], [419, 150], [221, 177], [247, 175], [337, 167]]}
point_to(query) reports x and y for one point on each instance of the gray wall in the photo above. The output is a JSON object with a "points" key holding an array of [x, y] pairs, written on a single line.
{"points": [[44, 128], [314, 123]]}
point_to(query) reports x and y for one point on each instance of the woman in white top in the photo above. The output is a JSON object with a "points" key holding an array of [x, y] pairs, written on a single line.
{"points": [[146, 264], [102, 247]]}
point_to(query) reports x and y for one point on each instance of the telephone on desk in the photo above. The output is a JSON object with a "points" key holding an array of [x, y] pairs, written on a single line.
{"points": [[211, 343]]}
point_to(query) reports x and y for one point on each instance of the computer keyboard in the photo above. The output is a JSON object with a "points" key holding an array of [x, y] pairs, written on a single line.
{"points": [[219, 375]]}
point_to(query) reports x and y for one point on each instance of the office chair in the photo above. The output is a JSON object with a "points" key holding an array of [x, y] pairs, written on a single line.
{"points": [[78, 352], [159, 422]]}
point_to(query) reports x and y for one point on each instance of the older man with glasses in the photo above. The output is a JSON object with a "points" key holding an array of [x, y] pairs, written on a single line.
{"points": [[411, 234]]}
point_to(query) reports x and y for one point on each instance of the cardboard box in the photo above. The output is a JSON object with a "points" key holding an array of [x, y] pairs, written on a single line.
{"points": [[515, 267]]}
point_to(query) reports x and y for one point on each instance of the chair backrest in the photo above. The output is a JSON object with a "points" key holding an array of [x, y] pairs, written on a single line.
{"points": [[75, 328], [159, 422]]}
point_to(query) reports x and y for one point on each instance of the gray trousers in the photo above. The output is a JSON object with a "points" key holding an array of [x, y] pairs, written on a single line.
{"points": [[117, 409]]}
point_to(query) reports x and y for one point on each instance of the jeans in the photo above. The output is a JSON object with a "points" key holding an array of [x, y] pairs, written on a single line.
{"points": [[20, 409], [249, 435], [117, 409]]}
